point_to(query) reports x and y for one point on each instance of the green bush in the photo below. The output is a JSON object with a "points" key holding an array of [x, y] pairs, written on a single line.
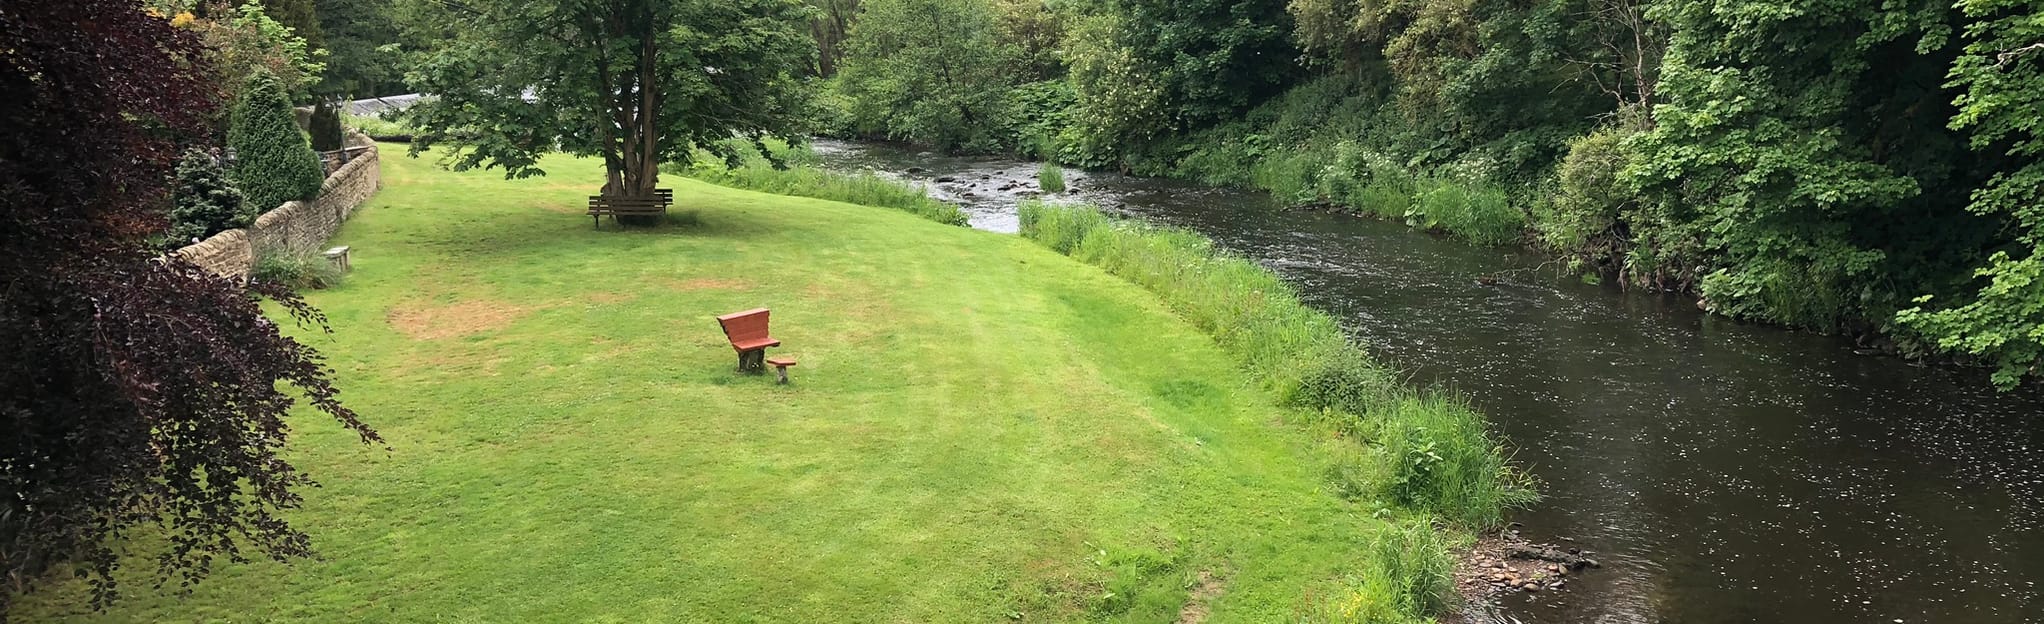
{"points": [[2003, 325], [298, 271], [1051, 178], [203, 201], [1580, 220], [377, 127], [273, 163], [1430, 452], [760, 172]]}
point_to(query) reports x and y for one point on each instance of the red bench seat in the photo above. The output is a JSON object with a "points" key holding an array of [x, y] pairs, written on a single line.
{"points": [[747, 332]]}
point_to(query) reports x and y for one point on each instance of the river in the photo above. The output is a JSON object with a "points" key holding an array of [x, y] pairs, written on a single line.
{"points": [[1723, 472]]}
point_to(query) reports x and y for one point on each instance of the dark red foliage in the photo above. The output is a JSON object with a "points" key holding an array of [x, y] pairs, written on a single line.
{"points": [[132, 391]]}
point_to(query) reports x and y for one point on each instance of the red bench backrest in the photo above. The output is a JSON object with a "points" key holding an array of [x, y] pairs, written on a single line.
{"points": [[747, 325]]}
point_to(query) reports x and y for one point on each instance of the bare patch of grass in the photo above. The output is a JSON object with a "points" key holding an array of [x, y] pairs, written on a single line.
{"points": [[426, 321]]}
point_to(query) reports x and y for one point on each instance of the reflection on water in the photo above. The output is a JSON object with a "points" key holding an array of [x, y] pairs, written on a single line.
{"points": [[1723, 472]]}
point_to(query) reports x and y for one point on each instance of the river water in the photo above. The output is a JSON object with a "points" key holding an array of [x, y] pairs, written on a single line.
{"points": [[1723, 472]]}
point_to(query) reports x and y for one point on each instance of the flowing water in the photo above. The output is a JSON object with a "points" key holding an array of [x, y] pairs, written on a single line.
{"points": [[1722, 472]]}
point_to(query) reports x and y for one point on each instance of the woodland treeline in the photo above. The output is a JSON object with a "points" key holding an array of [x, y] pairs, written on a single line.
{"points": [[1864, 167], [1848, 166]]}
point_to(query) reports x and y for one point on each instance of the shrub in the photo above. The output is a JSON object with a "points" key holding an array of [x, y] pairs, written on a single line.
{"points": [[203, 201], [772, 173], [1051, 178], [298, 271], [377, 127], [1432, 452], [2004, 325], [273, 163], [1289, 176], [326, 127], [1581, 220]]}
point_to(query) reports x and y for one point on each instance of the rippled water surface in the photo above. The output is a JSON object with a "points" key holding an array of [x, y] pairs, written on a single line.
{"points": [[1723, 472]]}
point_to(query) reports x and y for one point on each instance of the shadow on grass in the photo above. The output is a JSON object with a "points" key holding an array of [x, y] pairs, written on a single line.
{"points": [[525, 233]]}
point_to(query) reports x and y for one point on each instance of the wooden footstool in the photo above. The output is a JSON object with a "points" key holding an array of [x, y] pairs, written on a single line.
{"points": [[781, 365]]}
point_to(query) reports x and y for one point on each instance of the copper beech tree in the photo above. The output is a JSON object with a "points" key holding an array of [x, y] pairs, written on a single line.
{"points": [[635, 82], [134, 392]]}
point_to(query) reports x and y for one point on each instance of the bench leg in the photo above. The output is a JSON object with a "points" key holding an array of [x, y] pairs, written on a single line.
{"points": [[783, 372], [753, 361]]}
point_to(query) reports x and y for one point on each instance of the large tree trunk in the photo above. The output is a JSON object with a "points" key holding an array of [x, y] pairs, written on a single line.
{"points": [[631, 136]]}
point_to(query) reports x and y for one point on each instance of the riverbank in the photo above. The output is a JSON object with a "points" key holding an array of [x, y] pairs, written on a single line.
{"points": [[979, 429], [1716, 467]]}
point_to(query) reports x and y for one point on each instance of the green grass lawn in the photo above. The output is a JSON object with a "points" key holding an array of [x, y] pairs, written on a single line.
{"points": [[979, 430]]}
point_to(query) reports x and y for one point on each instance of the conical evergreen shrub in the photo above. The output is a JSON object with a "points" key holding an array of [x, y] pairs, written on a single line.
{"points": [[203, 201], [273, 163]]}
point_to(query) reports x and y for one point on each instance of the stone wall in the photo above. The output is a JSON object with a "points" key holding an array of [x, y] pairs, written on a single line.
{"points": [[298, 226], [226, 254]]}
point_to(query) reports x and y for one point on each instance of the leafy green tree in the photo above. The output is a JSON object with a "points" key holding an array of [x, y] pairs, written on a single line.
{"points": [[246, 38], [2002, 72], [1119, 95], [1213, 58], [635, 82], [364, 40], [1032, 31], [273, 163], [928, 71], [1812, 180], [1504, 82], [830, 26], [203, 202], [301, 16]]}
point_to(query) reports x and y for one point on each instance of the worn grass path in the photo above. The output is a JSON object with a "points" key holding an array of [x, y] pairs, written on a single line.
{"points": [[979, 430]]}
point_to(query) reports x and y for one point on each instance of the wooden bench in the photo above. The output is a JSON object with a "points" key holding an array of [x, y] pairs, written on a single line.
{"points": [[619, 205], [747, 332]]}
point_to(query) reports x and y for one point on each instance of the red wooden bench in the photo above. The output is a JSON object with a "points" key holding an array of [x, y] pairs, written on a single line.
{"points": [[747, 332]]}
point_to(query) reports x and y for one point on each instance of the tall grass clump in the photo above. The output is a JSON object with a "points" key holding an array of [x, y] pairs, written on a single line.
{"points": [[300, 271], [1442, 461], [1051, 178], [792, 176], [1475, 211], [1407, 579], [1428, 452]]}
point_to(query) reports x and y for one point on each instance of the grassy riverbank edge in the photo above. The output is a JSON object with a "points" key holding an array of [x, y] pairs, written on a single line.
{"points": [[794, 175], [1422, 450]]}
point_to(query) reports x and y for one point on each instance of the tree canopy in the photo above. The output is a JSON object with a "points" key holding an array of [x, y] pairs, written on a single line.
{"points": [[635, 82], [1823, 165]]}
